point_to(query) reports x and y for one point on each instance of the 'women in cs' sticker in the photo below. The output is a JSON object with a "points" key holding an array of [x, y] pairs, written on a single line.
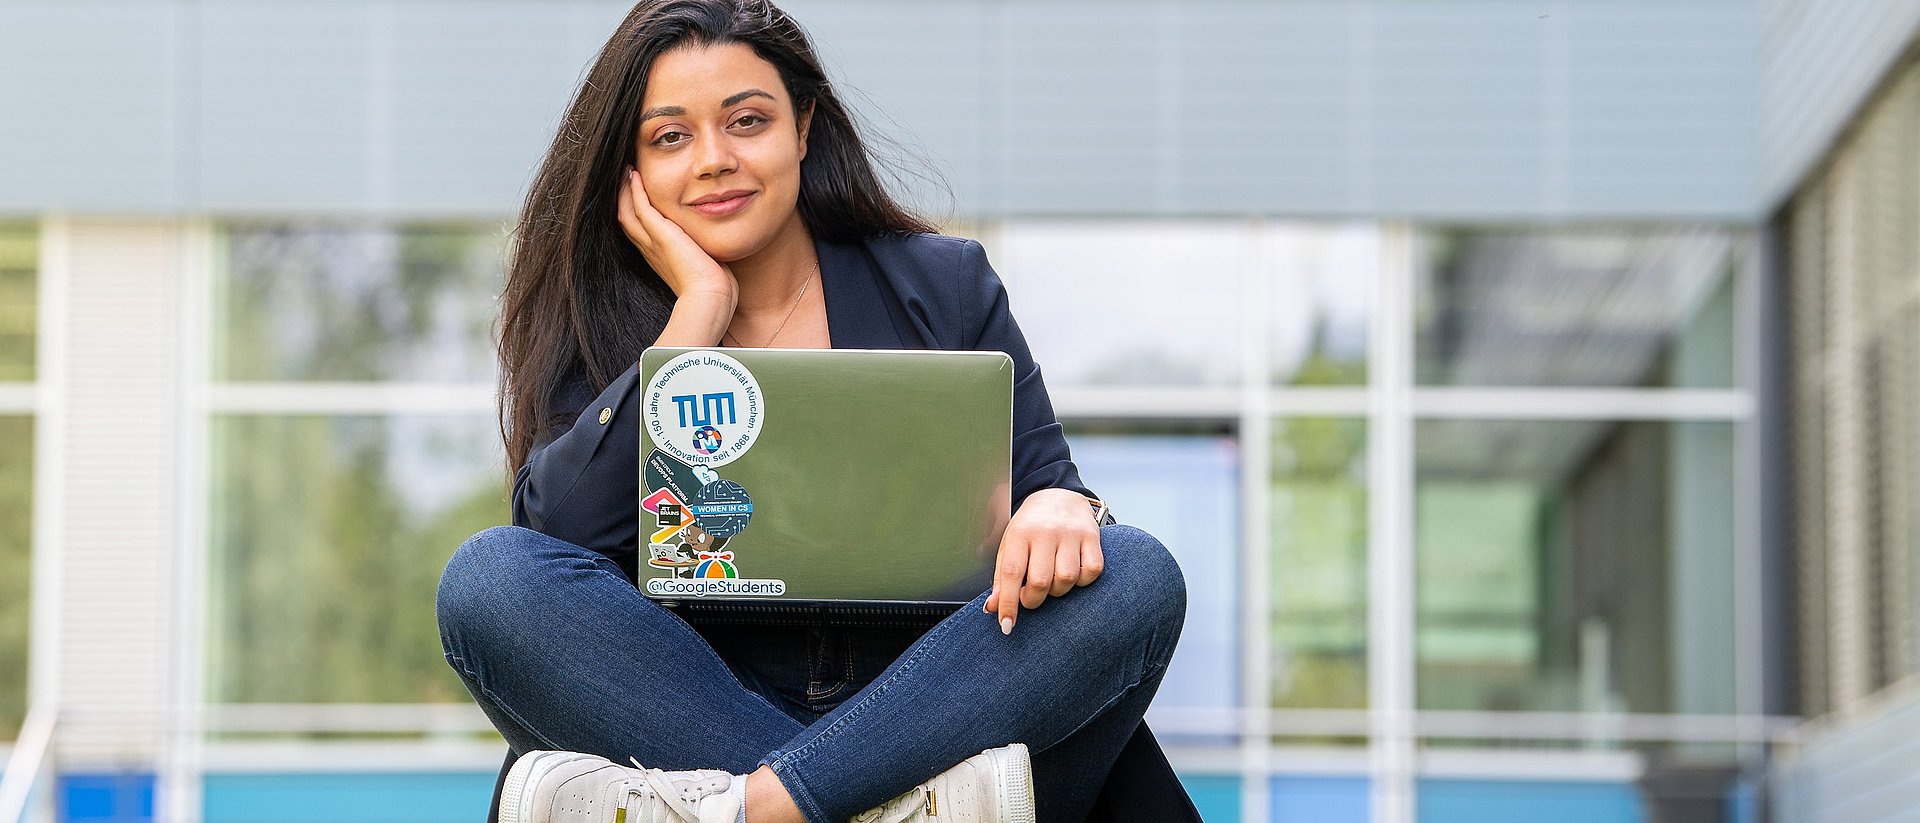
{"points": [[704, 408], [722, 508]]}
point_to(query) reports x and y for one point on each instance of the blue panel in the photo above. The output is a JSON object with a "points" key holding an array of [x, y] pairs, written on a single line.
{"points": [[1217, 797], [1743, 801], [1182, 490], [1321, 800], [106, 798], [348, 798], [1487, 801]]}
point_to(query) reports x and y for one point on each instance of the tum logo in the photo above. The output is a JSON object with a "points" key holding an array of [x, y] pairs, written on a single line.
{"points": [[714, 409]]}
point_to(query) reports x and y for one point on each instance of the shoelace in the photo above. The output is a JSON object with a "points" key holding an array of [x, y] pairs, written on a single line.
{"points": [[664, 790], [898, 810]]}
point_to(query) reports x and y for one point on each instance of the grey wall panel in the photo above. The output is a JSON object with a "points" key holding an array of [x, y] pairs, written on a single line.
{"points": [[1457, 114], [1822, 59], [287, 112], [1865, 771], [476, 99], [88, 114], [917, 74], [1448, 109], [1661, 103], [1079, 93], [1267, 111]]}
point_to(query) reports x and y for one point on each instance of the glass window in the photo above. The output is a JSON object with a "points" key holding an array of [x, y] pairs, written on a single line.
{"points": [[1184, 490], [329, 535], [1128, 302], [16, 572], [1574, 565], [19, 265], [1322, 282], [1319, 568], [1575, 308], [332, 302]]}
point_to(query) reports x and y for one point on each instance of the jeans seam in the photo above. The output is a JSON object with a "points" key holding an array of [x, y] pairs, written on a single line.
{"points": [[1146, 674], [798, 789], [460, 665], [872, 693]]}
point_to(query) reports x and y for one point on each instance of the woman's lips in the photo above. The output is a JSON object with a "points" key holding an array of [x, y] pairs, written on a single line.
{"points": [[722, 208]]}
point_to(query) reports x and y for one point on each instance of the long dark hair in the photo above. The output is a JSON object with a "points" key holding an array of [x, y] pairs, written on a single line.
{"points": [[579, 297]]}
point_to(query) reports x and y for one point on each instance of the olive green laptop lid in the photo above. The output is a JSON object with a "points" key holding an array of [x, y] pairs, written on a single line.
{"points": [[811, 476]]}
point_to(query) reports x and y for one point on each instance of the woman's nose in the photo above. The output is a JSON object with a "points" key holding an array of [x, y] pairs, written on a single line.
{"points": [[716, 157]]}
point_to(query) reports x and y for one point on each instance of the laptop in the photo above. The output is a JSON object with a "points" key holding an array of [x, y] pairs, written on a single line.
{"points": [[796, 481]]}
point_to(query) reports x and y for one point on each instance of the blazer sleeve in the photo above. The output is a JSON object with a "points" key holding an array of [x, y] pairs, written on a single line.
{"points": [[581, 482], [1040, 456]]}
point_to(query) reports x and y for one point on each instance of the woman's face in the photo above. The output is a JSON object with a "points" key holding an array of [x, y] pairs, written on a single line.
{"points": [[720, 147]]}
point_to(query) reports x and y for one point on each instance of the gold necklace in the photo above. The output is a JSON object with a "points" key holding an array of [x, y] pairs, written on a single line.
{"points": [[783, 321]]}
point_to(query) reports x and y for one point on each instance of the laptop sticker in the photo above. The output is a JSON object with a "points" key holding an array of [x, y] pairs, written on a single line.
{"points": [[716, 565], [659, 497], [703, 408], [670, 557], [665, 536], [692, 538], [722, 508], [696, 539], [668, 474]]}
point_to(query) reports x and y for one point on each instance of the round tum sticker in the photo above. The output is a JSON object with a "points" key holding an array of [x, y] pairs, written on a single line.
{"points": [[704, 408]]}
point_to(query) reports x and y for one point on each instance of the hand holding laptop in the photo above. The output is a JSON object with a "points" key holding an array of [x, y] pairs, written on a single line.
{"points": [[1049, 547]]}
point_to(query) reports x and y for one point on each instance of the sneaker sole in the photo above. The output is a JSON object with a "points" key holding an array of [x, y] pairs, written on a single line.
{"points": [[527, 771], [1015, 771]]}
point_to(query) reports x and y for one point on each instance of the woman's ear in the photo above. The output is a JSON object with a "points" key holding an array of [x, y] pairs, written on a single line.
{"points": [[806, 120]]}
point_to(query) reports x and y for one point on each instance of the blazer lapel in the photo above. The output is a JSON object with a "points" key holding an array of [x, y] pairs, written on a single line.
{"points": [[859, 315]]}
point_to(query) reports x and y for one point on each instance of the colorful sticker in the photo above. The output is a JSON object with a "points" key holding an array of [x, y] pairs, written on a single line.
{"points": [[660, 497], [696, 539], [704, 408], [672, 558], [664, 473], [666, 534], [716, 565], [722, 508]]}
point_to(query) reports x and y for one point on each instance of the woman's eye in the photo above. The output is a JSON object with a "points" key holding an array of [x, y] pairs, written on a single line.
{"points": [[672, 138], [756, 120]]}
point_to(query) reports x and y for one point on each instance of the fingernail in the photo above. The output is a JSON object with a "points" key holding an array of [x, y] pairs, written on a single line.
{"points": [[1006, 625]]}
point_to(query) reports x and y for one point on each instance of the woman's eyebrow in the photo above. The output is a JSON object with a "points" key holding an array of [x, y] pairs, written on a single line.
{"points": [[677, 111]]}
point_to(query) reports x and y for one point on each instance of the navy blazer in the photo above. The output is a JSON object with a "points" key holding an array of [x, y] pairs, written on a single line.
{"points": [[921, 291]]}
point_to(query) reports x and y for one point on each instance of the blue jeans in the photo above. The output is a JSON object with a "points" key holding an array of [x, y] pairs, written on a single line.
{"points": [[562, 652]]}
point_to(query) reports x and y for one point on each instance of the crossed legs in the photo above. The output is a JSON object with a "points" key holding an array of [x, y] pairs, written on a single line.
{"points": [[562, 652]]}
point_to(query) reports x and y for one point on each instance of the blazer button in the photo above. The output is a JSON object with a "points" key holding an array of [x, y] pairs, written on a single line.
{"points": [[605, 415]]}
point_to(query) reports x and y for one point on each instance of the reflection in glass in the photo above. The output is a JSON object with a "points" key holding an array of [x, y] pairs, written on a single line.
{"points": [[328, 537], [331, 302], [19, 265], [1127, 302], [1319, 568], [1575, 308], [1182, 489], [16, 573], [1574, 565], [1322, 280]]}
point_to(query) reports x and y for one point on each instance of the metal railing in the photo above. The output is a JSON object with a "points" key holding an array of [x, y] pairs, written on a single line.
{"points": [[24, 766]]}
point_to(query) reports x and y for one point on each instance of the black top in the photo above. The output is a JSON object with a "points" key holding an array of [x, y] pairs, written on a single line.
{"points": [[922, 291]]}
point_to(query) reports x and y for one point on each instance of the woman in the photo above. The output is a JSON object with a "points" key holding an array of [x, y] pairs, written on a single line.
{"points": [[708, 188]]}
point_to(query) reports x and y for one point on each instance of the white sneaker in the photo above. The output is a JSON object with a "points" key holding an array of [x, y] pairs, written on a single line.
{"points": [[569, 787], [994, 786]]}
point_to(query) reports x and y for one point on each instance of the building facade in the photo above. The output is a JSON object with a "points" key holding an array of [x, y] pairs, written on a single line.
{"points": [[1519, 383]]}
